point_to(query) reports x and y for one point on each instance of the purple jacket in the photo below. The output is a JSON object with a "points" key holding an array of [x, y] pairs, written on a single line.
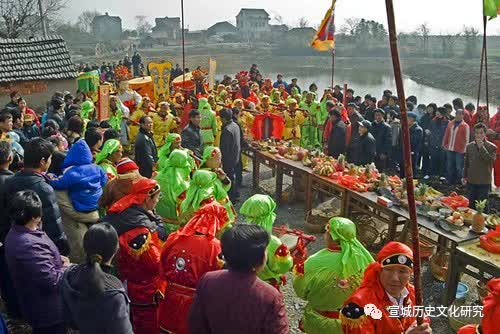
{"points": [[37, 270]]}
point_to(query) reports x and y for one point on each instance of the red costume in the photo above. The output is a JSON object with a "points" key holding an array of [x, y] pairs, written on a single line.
{"points": [[353, 317], [139, 254], [495, 126], [491, 312], [186, 257]]}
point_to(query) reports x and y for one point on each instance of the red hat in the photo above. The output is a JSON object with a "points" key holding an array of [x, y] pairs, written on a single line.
{"points": [[209, 220], [141, 190], [394, 253], [492, 307], [126, 165]]}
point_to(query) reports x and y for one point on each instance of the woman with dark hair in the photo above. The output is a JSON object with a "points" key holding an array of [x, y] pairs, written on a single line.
{"points": [[95, 299], [236, 300], [75, 129], [35, 265]]}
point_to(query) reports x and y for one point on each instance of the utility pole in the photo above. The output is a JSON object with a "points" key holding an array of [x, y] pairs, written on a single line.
{"points": [[42, 18]]}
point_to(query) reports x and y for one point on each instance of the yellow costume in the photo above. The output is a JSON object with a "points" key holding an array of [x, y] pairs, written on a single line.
{"points": [[160, 73], [162, 126], [134, 127], [292, 126]]}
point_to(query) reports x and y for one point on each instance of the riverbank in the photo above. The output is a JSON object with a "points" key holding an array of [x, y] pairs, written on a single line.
{"points": [[455, 75]]}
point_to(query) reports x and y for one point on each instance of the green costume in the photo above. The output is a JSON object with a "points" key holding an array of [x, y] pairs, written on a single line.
{"points": [[329, 277], [110, 147], [259, 210], [201, 189], [220, 189], [87, 109], [311, 134], [116, 120], [165, 150], [208, 122], [174, 181]]}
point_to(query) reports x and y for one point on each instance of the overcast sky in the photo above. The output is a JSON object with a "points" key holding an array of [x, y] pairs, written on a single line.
{"points": [[443, 16]]}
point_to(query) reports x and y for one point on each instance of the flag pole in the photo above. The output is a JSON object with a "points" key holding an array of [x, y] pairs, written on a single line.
{"points": [[183, 47], [333, 67], [407, 156], [485, 50]]}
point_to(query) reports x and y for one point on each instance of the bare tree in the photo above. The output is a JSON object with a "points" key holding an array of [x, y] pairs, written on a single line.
{"points": [[423, 31], [20, 17], [85, 19], [448, 43], [350, 25], [278, 19], [471, 37], [303, 23], [142, 26]]}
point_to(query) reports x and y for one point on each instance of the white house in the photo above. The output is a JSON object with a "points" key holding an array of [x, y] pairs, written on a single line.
{"points": [[253, 23]]}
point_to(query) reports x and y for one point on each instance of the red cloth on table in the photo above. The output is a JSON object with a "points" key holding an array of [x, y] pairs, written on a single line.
{"points": [[278, 125]]}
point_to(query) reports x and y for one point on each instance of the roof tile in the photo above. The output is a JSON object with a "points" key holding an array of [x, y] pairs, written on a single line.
{"points": [[35, 59]]}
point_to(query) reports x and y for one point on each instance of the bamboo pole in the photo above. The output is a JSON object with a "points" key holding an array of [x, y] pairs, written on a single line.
{"points": [[407, 155], [480, 77], [333, 67], [485, 50], [183, 46]]}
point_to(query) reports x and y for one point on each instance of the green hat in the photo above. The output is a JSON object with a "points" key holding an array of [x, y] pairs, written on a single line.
{"points": [[203, 104], [259, 210], [110, 146], [87, 108], [166, 149], [175, 176], [209, 152], [201, 188], [355, 257]]}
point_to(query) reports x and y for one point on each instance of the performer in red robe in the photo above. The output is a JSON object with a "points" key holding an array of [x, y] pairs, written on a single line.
{"points": [[385, 286], [186, 257], [139, 255], [491, 312]]}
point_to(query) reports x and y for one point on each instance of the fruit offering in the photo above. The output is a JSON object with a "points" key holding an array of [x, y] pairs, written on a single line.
{"points": [[456, 219], [493, 221]]}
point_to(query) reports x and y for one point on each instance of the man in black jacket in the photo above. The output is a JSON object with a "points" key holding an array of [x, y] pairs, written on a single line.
{"points": [[416, 139], [37, 159], [337, 137], [191, 135], [362, 150], [230, 147], [243, 145], [382, 133], [355, 118], [146, 153]]}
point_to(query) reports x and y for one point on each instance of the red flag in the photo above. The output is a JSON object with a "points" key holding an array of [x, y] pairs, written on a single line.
{"points": [[324, 40]]}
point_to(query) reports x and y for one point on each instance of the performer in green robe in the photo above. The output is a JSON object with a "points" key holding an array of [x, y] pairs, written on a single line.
{"points": [[330, 276], [259, 210], [208, 122], [109, 156], [311, 131], [212, 161], [174, 180]]}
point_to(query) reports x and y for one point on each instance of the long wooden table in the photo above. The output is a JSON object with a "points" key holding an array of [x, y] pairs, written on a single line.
{"points": [[394, 217], [463, 259]]}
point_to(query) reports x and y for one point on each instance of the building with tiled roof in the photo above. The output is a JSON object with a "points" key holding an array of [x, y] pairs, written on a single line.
{"points": [[253, 23], [35, 68]]}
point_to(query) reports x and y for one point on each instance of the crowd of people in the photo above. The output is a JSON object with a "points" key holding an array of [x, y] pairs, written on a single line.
{"points": [[135, 65], [127, 225]]}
